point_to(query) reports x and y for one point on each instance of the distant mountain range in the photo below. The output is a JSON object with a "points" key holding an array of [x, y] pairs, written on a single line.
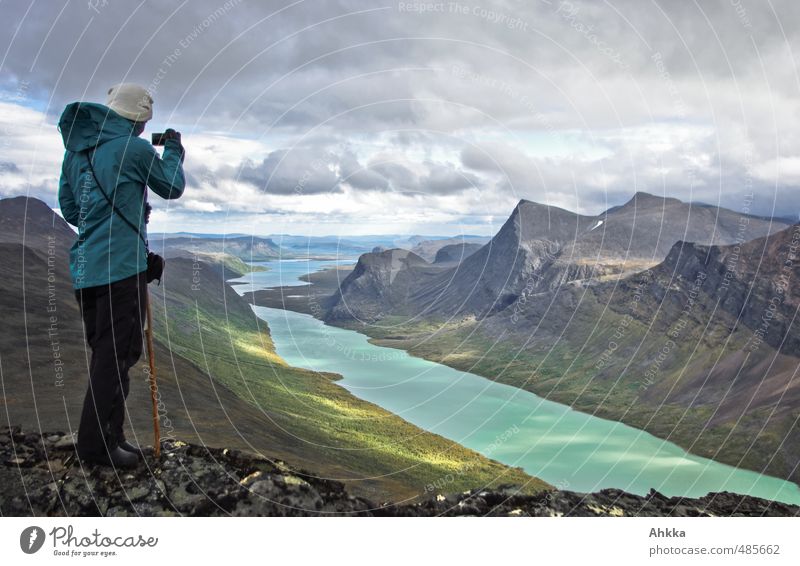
{"points": [[286, 246], [246, 248], [677, 318], [540, 248]]}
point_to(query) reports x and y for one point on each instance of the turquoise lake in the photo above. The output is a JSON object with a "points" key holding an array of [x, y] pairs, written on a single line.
{"points": [[567, 448]]}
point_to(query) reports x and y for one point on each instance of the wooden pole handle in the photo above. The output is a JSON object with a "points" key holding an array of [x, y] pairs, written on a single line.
{"points": [[153, 382]]}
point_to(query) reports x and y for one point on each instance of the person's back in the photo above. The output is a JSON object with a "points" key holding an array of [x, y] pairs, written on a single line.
{"points": [[108, 248], [104, 178]]}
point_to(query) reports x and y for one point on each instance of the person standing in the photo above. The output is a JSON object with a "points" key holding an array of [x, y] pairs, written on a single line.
{"points": [[105, 174]]}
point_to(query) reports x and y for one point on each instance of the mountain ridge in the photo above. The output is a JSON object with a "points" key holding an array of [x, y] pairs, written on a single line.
{"points": [[540, 247]]}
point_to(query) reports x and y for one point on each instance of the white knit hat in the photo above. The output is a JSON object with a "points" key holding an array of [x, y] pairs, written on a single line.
{"points": [[130, 101]]}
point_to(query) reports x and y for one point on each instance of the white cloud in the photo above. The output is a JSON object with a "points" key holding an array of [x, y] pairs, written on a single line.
{"points": [[31, 151], [687, 99], [783, 171]]}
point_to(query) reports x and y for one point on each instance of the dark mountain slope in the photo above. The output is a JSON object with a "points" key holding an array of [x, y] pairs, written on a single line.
{"points": [[738, 308], [427, 249], [381, 281], [647, 226], [31, 222], [44, 361], [455, 253]]}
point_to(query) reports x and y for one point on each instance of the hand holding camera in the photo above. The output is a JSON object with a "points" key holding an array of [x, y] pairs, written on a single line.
{"points": [[169, 134]]}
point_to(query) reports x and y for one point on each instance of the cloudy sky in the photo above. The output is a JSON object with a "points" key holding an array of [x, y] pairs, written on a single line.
{"points": [[352, 117]]}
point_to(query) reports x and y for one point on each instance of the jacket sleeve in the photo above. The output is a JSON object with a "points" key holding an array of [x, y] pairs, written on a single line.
{"points": [[66, 200], [163, 175]]}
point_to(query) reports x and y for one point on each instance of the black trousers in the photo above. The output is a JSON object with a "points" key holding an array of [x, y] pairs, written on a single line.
{"points": [[113, 317]]}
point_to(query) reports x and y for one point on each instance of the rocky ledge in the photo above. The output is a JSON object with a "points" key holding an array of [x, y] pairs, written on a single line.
{"points": [[40, 476]]}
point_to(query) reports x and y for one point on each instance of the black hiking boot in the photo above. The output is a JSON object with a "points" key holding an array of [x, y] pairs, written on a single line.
{"points": [[132, 448], [117, 458]]}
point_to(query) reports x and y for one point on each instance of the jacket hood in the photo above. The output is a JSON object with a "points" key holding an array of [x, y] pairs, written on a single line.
{"points": [[89, 124]]}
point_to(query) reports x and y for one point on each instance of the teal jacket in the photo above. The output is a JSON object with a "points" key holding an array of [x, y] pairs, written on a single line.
{"points": [[107, 248]]}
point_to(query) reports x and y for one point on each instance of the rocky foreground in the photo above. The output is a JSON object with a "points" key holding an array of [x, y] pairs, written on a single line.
{"points": [[40, 475]]}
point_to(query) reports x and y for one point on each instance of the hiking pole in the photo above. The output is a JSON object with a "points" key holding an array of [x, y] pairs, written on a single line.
{"points": [[153, 384]]}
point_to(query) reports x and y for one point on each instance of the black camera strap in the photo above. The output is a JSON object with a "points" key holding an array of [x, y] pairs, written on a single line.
{"points": [[89, 157]]}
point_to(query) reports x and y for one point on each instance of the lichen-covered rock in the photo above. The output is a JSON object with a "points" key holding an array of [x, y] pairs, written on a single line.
{"points": [[41, 476]]}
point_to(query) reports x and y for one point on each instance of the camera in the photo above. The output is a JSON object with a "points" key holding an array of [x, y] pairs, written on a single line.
{"points": [[169, 134]]}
